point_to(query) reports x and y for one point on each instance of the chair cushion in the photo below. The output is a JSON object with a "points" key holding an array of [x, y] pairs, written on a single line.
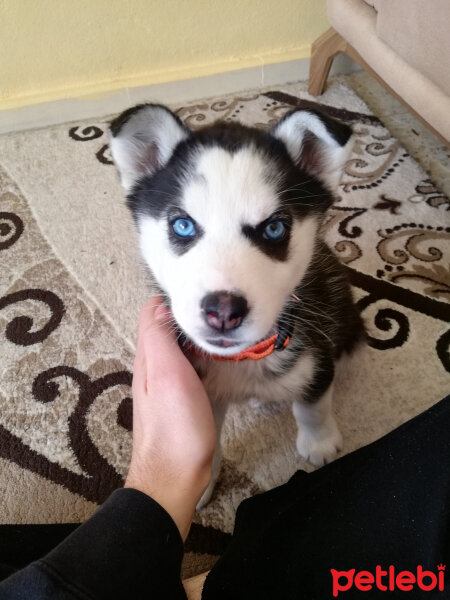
{"points": [[372, 3], [356, 22], [418, 31]]}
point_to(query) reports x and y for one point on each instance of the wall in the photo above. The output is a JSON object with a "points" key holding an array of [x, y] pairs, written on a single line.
{"points": [[53, 49]]}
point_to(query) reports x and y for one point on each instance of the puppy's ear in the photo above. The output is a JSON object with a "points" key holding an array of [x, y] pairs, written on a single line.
{"points": [[142, 140], [318, 144]]}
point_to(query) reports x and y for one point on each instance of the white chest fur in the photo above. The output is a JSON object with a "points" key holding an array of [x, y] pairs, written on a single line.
{"points": [[232, 382]]}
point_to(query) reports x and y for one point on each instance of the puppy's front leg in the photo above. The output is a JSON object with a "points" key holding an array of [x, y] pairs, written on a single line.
{"points": [[318, 438], [219, 410]]}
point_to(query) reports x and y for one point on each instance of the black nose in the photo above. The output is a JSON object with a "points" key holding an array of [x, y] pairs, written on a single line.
{"points": [[224, 311]]}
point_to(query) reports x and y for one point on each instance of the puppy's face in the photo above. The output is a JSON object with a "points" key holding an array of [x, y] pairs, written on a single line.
{"points": [[227, 216]]}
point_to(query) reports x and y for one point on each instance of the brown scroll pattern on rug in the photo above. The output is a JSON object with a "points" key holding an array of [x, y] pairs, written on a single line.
{"points": [[443, 349], [99, 478], [19, 330], [104, 155], [389, 204], [409, 249], [193, 116], [362, 174], [432, 196], [384, 319], [379, 290], [89, 458], [336, 215], [274, 113], [196, 115], [85, 135], [346, 249], [88, 134], [11, 228], [125, 414]]}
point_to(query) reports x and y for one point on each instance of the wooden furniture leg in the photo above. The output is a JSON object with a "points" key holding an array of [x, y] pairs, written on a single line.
{"points": [[323, 51], [326, 48]]}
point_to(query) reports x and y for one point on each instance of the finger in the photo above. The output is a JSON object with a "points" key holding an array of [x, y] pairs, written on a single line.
{"points": [[157, 338], [157, 334], [151, 315], [139, 368], [146, 317], [147, 313]]}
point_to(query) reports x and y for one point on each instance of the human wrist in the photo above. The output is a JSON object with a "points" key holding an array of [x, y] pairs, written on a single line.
{"points": [[178, 497]]}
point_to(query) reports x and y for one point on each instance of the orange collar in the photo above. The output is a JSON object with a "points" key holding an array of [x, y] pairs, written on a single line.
{"points": [[256, 352], [259, 350]]}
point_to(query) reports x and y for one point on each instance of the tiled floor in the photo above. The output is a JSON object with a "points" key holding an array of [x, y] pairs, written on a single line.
{"points": [[425, 147]]}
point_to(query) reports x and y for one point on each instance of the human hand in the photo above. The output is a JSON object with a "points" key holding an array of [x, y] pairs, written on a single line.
{"points": [[174, 433]]}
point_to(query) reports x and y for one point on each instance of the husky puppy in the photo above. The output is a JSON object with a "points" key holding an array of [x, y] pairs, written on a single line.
{"points": [[228, 219]]}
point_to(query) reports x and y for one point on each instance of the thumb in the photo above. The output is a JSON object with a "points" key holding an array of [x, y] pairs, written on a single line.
{"points": [[162, 313], [157, 335]]}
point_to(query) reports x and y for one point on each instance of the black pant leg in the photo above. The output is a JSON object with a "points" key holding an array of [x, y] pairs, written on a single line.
{"points": [[385, 504]]}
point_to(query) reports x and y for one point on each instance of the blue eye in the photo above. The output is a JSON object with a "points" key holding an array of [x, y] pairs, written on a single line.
{"points": [[184, 227], [275, 230]]}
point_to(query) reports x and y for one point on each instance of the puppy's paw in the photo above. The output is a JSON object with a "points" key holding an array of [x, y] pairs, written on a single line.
{"points": [[319, 445]]}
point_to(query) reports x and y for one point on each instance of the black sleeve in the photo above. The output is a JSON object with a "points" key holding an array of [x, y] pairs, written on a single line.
{"points": [[385, 507], [130, 548]]}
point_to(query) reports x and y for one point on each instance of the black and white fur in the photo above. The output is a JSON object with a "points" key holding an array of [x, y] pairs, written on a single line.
{"points": [[230, 181]]}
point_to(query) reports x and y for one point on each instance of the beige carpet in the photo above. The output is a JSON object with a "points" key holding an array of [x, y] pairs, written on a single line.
{"points": [[71, 286]]}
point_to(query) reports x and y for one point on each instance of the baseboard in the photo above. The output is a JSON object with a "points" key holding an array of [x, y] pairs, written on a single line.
{"points": [[78, 109]]}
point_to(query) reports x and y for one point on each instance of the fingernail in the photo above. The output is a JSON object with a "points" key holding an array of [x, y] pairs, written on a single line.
{"points": [[161, 312]]}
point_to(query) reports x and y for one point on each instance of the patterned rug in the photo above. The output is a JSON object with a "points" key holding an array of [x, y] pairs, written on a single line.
{"points": [[71, 285]]}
